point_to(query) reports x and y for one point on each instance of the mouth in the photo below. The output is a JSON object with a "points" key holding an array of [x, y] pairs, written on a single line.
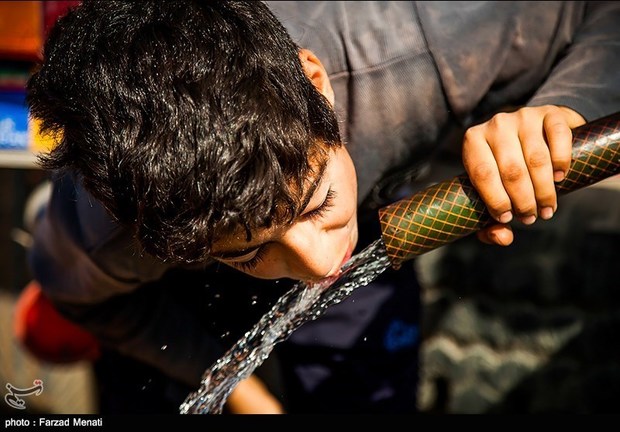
{"points": [[347, 256], [337, 269], [349, 252]]}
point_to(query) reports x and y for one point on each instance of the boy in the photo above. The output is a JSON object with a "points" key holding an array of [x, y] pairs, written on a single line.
{"points": [[213, 153]]}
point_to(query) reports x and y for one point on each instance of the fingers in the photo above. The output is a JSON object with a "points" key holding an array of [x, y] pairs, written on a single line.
{"points": [[483, 171], [542, 169], [494, 159], [498, 234], [558, 134], [514, 159]]}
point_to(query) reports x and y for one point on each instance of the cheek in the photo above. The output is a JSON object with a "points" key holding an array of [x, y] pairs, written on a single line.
{"points": [[347, 170], [349, 185], [346, 209]]}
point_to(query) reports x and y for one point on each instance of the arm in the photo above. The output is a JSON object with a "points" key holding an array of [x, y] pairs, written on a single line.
{"points": [[514, 158], [585, 78], [143, 311], [251, 396]]}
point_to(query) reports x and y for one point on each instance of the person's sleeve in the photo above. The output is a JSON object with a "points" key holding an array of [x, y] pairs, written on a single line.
{"points": [[89, 271], [587, 77], [153, 324]]}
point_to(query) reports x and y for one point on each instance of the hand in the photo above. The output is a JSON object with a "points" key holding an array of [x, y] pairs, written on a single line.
{"points": [[513, 160], [251, 396]]}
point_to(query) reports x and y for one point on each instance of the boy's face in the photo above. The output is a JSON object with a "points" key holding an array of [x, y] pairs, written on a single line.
{"points": [[319, 241]]}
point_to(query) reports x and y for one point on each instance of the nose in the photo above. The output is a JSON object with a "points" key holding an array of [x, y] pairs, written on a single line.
{"points": [[309, 252]]}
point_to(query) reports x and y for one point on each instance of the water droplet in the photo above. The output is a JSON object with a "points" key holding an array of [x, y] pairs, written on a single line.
{"points": [[300, 304]]}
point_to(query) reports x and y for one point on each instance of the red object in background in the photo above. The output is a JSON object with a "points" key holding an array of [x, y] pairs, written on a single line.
{"points": [[52, 10], [46, 334], [24, 26]]}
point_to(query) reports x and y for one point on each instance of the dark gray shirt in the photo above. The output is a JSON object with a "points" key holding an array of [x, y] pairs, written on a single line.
{"points": [[403, 73]]}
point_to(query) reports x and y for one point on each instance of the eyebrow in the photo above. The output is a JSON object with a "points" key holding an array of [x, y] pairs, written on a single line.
{"points": [[233, 253]]}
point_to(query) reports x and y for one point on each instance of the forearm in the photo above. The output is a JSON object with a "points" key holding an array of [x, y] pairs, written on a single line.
{"points": [[153, 326], [251, 396]]}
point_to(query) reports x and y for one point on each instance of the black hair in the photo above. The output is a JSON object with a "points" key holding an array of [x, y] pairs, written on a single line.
{"points": [[188, 120]]}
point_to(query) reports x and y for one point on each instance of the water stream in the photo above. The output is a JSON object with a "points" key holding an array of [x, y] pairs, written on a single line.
{"points": [[301, 303]]}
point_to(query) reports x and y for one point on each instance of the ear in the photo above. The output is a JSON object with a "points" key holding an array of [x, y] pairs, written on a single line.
{"points": [[316, 73]]}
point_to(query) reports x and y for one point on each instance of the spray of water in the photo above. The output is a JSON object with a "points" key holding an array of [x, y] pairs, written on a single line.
{"points": [[302, 303]]}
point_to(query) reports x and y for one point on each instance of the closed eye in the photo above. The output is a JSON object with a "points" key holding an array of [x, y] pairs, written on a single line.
{"points": [[250, 264], [325, 206]]}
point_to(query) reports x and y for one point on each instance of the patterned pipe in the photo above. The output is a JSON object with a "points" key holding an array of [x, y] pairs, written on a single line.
{"points": [[453, 209]]}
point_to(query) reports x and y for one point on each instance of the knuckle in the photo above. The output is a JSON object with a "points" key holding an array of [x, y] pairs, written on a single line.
{"points": [[525, 209], [498, 205], [536, 111], [482, 172], [546, 199], [557, 128], [538, 159], [512, 173], [471, 134], [498, 120], [524, 113], [562, 161]]}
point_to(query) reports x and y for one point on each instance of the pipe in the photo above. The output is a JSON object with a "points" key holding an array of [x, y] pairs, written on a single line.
{"points": [[452, 209]]}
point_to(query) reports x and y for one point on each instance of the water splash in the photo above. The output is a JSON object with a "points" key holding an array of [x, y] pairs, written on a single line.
{"points": [[300, 304]]}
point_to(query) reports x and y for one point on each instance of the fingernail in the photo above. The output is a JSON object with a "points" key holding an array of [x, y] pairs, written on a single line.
{"points": [[528, 220], [505, 217], [546, 213], [558, 176]]}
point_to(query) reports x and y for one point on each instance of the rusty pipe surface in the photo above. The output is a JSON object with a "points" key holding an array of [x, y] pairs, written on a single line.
{"points": [[452, 209]]}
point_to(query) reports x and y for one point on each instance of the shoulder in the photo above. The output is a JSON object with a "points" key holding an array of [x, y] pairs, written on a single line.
{"points": [[81, 254], [350, 35]]}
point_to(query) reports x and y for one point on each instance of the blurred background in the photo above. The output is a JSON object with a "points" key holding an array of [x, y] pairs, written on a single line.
{"points": [[527, 329], [531, 328], [67, 387]]}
